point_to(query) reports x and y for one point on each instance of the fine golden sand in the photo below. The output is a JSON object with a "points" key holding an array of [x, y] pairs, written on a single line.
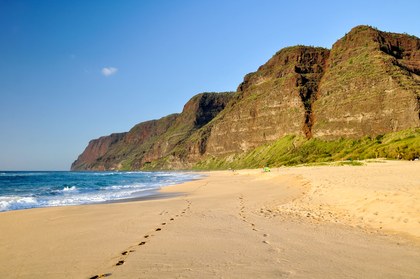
{"points": [[301, 222]]}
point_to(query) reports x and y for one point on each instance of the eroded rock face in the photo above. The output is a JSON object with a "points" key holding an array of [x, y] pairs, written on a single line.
{"points": [[152, 140], [144, 131], [95, 150], [368, 84], [197, 112], [274, 101], [370, 87]]}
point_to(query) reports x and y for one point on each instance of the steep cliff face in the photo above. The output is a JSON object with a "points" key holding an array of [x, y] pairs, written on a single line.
{"points": [[95, 150], [370, 87], [367, 85], [169, 150], [110, 152], [137, 143], [152, 140], [272, 102]]}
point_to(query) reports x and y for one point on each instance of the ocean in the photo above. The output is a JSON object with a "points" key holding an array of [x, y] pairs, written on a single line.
{"points": [[31, 189]]}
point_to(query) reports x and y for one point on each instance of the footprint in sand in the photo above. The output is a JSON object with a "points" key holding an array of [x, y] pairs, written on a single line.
{"points": [[163, 212], [244, 218], [126, 252], [100, 276]]}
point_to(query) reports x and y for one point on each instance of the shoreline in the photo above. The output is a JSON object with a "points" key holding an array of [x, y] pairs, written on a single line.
{"points": [[135, 196], [154, 195], [238, 224]]}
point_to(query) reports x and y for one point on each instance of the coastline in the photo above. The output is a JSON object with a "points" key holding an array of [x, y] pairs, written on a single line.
{"points": [[36, 189], [238, 224]]}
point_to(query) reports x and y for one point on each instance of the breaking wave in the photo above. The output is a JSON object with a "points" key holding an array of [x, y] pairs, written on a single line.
{"points": [[48, 189]]}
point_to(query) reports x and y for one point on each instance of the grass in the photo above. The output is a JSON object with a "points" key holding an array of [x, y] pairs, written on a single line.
{"points": [[296, 150]]}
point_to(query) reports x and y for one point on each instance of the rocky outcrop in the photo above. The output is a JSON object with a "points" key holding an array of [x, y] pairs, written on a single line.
{"points": [[150, 141], [368, 84], [95, 150], [370, 87], [274, 101], [169, 150]]}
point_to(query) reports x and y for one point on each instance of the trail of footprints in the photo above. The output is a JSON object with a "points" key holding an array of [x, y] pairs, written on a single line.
{"points": [[242, 213], [123, 256], [244, 218]]}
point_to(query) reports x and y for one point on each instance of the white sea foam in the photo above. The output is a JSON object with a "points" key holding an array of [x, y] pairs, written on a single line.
{"points": [[16, 202], [130, 186], [101, 196], [72, 197], [69, 189], [75, 195], [106, 173]]}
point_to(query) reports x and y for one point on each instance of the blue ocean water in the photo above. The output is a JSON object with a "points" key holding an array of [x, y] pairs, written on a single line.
{"points": [[21, 190]]}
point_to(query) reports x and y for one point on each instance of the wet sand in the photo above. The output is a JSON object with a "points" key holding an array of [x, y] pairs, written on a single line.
{"points": [[301, 222]]}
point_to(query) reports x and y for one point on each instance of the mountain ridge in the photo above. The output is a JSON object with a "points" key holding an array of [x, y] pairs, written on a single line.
{"points": [[368, 84]]}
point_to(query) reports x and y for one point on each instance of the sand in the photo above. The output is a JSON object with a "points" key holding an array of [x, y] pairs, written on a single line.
{"points": [[300, 222]]}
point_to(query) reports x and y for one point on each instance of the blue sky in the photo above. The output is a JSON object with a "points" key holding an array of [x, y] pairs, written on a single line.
{"points": [[71, 71]]}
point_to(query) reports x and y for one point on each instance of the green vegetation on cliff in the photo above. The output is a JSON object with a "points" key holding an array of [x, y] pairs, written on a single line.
{"points": [[295, 150], [359, 100], [154, 144], [371, 85]]}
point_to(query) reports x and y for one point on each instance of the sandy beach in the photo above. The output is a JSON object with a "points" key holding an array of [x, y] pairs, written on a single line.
{"points": [[298, 222]]}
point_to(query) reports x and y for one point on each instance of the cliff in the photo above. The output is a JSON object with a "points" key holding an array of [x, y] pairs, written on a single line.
{"points": [[149, 141], [370, 87], [274, 101], [95, 150], [368, 84]]}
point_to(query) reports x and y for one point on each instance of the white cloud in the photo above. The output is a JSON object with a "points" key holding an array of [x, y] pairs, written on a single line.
{"points": [[109, 71]]}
